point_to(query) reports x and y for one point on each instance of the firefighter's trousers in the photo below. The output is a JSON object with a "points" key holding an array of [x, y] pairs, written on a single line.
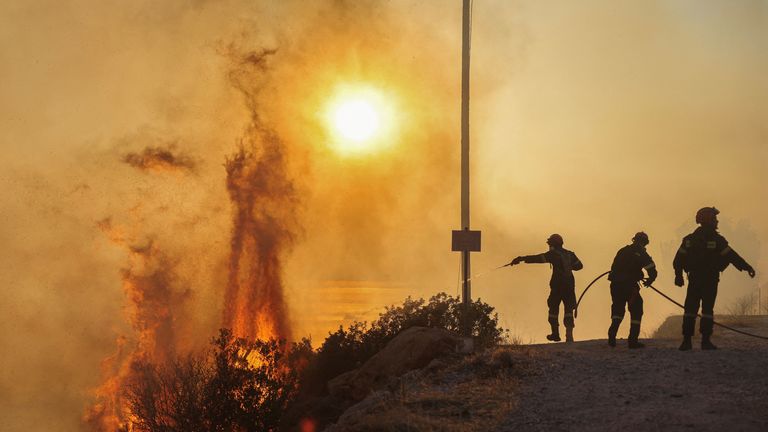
{"points": [[561, 294], [702, 290], [626, 295]]}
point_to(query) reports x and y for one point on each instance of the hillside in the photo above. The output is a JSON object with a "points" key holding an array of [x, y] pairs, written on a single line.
{"points": [[584, 386]]}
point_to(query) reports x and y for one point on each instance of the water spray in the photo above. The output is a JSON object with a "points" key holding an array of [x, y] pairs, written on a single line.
{"points": [[475, 276]]}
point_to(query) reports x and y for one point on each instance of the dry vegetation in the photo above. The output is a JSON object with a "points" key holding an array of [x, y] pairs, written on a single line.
{"points": [[451, 394]]}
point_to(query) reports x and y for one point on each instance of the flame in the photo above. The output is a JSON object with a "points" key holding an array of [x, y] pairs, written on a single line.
{"points": [[153, 302], [264, 203], [264, 210]]}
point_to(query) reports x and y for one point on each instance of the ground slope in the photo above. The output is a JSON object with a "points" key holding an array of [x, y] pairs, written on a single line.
{"points": [[588, 386], [583, 386]]}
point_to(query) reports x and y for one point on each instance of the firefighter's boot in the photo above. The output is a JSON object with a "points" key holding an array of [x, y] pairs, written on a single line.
{"points": [[707, 344], [634, 333], [555, 336], [686, 345], [569, 334], [612, 330]]}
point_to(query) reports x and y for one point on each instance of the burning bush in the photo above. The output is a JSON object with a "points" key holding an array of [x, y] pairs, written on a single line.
{"points": [[248, 385], [239, 384]]}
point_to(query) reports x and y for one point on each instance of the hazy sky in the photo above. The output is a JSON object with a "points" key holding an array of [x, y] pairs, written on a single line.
{"points": [[593, 119]]}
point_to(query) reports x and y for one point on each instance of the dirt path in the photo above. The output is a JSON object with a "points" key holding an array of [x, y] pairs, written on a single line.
{"points": [[588, 386]]}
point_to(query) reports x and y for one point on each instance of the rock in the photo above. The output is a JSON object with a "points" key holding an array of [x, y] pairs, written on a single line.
{"points": [[372, 414], [413, 348], [436, 365], [377, 401]]}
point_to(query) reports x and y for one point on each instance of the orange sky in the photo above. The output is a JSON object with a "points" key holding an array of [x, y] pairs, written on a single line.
{"points": [[592, 119]]}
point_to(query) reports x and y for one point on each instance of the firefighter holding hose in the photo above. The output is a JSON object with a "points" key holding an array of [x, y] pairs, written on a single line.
{"points": [[702, 256], [561, 284], [625, 276]]}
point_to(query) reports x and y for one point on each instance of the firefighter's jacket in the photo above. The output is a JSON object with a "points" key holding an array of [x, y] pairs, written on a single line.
{"points": [[563, 262], [705, 253], [629, 264]]}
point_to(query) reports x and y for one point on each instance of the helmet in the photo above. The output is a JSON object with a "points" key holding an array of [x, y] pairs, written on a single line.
{"points": [[555, 240], [706, 215], [641, 238]]}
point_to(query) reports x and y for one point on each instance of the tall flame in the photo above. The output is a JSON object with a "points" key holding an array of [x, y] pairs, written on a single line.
{"points": [[264, 203], [153, 304]]}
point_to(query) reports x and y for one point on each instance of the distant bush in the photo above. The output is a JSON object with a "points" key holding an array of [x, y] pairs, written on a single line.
{"points": [[346, 349], [744, 305], [239, 384]]}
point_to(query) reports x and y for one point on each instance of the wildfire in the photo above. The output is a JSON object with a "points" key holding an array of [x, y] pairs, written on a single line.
{"points": [[154, 300], [264, 204], [262, 230]]}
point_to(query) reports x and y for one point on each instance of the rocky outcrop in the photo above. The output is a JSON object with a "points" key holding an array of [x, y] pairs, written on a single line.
{"points": [[413, 348]]}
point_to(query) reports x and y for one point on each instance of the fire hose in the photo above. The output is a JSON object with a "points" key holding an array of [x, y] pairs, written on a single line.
{"points": [[575, 312], [714, 322], [578, 302], [576, 309]]}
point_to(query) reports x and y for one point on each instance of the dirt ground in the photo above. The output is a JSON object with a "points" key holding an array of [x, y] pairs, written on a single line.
{"points": [[588, 386], [583, 386]]}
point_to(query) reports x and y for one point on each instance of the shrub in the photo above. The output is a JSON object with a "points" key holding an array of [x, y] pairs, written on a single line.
{"points": [[346, 349], [239, 384]]}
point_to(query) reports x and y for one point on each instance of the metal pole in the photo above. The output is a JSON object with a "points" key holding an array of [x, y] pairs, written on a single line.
{"points": [[465, 46]]}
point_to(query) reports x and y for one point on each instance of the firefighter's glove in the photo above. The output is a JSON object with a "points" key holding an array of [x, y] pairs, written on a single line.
{"points": [[516, 261], [679, 281], [750, 271]]}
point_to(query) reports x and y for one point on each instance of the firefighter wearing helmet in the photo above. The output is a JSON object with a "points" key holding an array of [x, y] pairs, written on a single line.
{"points": [[702, 256], [625, 276], [562, 284]]}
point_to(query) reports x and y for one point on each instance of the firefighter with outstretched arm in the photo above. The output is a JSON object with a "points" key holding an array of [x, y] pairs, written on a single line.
{"points": [[625, 276], [703, 255], [562, 284]]}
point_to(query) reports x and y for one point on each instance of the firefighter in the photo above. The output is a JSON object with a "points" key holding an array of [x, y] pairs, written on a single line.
{"points": [[702, 256], [562, 284], [626, 273]]}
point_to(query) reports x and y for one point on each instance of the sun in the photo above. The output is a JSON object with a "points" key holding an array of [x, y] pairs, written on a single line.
{"points": [[356, 120], [360, 119]]}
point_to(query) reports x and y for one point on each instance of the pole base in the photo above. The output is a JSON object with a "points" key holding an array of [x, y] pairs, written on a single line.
{"points": [[466, 345]]}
